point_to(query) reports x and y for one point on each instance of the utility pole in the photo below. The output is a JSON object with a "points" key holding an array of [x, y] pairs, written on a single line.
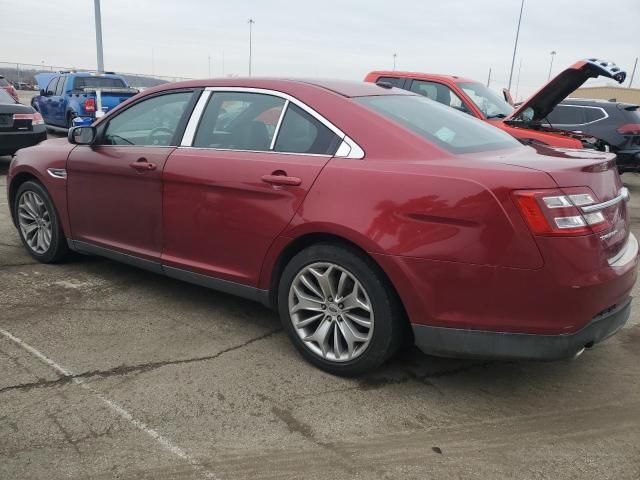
{"points": [[515, 45], [553, 54], [395, 55], [515, 99], [633, 73], [251, 22], [489, 78], [96, 7], [209, 60]]}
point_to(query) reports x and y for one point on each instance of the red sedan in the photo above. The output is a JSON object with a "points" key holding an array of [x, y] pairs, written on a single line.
{"points": [[364, 215]]}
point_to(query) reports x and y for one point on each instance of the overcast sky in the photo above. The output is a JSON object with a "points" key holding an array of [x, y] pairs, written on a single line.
{"points": [[328, 38]]}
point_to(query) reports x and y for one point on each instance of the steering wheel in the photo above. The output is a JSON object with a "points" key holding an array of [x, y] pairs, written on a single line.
{"points": [[151, 140]]}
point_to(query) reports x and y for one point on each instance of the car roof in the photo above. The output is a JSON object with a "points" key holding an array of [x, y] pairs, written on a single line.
{"points": [[597, 101], [422, 76], [345, 88]]}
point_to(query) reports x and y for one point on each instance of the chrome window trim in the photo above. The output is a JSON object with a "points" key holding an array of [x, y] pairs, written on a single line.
{"points": [[623, 194], [194, 119], [278, 125], [606, 115], [181, 147], [354, 152]]}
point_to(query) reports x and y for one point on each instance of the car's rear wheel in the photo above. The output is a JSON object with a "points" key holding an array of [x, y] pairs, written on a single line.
{"points": [[38, 223], [339, 309]]}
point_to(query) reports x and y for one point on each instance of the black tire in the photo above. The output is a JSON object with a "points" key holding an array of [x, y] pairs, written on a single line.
{"points": [[58, 248], [389, 326], [70, 117]]}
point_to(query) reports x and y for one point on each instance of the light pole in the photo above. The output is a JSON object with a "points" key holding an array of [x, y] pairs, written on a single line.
{"points": [[96, 7], [395, 55], [633, 73], [515, 99], [553, 54], [515, 45], [209, 60], [251, 22]]}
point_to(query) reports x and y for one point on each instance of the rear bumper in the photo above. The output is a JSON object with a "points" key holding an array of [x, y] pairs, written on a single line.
{"points": [[453, 342], [10, 142]]}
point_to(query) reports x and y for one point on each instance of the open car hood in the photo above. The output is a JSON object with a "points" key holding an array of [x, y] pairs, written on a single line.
{"points": [[541, 103], [43, 79]]}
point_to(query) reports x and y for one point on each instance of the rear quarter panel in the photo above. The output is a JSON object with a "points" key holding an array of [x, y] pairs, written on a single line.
{"points": [[424, 211]]}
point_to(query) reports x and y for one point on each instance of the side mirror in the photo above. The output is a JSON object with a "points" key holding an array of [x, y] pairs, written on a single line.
{"points": [[43, 93], [85, 135]]}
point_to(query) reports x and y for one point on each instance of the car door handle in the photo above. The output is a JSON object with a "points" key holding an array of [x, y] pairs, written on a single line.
{"points": [[142, 165], [280, 179]]}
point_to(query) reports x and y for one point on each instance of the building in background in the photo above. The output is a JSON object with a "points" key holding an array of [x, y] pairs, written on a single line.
{"points": [[619, 94]]}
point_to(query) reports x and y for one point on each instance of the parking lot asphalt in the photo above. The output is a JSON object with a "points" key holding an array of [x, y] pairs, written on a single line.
{"points": [[112, 372]]}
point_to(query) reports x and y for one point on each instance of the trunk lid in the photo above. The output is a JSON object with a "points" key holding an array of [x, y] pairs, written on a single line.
{"points": [[7, 122], [541, 103], [572, 170]]}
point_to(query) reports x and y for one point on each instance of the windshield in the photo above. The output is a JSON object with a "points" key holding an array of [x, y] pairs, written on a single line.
{"points": [[97, 82], [490, 103], [448, 128]]}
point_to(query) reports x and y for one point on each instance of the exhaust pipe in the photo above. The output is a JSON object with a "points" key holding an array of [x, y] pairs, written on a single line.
{"points": [[578, 353]]}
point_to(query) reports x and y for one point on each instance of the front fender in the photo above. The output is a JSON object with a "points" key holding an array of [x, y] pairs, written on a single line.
{"points": [[33, 162]]}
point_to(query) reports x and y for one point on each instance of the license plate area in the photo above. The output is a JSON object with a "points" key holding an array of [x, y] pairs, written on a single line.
{"points": [[6, 120]]}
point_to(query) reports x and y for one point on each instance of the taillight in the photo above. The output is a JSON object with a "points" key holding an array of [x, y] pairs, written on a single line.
{"points": [[553, 212], [629, 129], [36, 118], [90, 105]]}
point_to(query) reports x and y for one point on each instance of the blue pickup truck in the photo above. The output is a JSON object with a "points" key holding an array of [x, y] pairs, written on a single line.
{"points": [[73, 98]]}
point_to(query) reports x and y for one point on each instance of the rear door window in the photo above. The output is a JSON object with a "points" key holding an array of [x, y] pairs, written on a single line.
{"points": [[239, 121], [566, 115]]}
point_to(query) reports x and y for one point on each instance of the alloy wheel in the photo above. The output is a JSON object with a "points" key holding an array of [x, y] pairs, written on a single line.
{"points": [[331, 312], [34, 220]]}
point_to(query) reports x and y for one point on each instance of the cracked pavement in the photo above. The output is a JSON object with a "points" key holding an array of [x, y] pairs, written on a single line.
{"points": [[169, 380]]}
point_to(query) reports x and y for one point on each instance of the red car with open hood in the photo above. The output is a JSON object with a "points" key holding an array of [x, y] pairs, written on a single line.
{"points": [[366, 216], [524, 122]]}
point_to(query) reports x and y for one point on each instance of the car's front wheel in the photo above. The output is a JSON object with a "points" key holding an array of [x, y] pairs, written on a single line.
{"points": [[38, 223], [339, 309]]}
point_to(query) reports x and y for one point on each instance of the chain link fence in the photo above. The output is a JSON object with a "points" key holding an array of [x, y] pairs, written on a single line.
{"points": [[21, 75]]}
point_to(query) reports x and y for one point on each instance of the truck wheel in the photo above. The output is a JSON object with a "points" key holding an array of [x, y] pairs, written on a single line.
{"points": [[70, 117]]}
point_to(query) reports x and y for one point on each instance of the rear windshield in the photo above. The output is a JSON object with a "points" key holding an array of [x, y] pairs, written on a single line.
{"points": [[97, 82], [448, 128]]}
